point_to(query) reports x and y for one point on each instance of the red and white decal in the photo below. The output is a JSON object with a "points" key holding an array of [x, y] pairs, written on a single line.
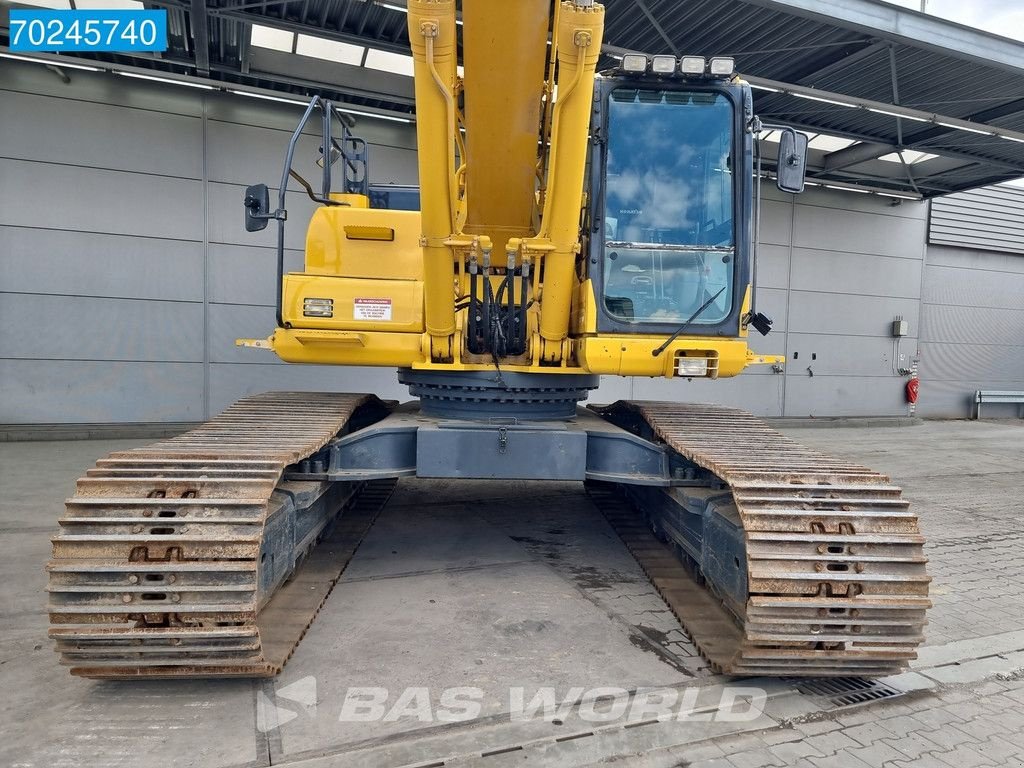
{"points": [[371, 309]]}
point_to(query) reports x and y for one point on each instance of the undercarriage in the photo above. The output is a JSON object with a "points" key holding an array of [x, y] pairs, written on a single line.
{"points": [[209, 554]]}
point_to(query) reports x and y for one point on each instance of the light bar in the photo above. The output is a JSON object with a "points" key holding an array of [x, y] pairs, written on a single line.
{"points": [[691, 366], [823, 100], [722, 66], [663, 65], [634, 63], [897, 114], [166, 80], [391, 118], [961, 127], [692, 65], [50, 63], [267, 97]]}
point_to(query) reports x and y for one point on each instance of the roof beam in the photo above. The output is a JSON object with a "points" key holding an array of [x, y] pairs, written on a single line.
{"points": [[857, 153], [348, 79], [200, 36], [884, 108], [908, 27]]}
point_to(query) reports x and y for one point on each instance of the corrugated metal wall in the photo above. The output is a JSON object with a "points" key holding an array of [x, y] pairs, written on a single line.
{"points": [[984, 219], [973, 334], [126, 274], [973, 301]]}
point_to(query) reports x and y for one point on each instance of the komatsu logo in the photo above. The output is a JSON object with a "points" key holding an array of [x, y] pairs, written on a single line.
{"points": [[631, 211]]}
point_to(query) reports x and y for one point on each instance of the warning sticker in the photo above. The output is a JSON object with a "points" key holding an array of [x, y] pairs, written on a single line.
{"points": [[371, 309]]}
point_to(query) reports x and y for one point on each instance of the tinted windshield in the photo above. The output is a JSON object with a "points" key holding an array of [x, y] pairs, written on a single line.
{"points": [[669, 229]]}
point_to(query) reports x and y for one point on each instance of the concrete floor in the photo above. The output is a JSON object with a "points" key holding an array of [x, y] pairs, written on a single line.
{"points": [[495, 588]]}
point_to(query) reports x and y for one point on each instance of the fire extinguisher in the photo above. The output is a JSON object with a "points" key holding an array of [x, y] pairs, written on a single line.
{"points": [[913, 385]]}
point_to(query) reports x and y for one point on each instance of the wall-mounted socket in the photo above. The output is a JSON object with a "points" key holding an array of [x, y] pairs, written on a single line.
{"points": [[900, 327]]}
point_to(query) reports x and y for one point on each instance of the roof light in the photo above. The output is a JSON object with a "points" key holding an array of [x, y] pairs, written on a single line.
{"points": [[692, 65], [268, 97], [897, 114], [663, 65], [723, 66], [49, 62], [823, 100], [965, 128], [167, 80], [634, 63], [375, 115]]}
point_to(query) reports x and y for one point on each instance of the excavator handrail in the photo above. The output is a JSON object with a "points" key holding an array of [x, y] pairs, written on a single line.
{"points": [[352, 182]]}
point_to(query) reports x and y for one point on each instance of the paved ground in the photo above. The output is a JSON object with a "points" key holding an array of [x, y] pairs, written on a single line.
{"points": [[504, 590]]}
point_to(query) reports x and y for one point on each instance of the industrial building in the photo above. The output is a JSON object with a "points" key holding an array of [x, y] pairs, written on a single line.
{"points": [[127, 274]]}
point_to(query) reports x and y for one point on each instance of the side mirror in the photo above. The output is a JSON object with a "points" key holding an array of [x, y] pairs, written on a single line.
{"points": [[792, 165], [257, 207]]}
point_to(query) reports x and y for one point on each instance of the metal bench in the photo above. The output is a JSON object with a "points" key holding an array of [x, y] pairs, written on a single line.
{"points": [[996, 396]]}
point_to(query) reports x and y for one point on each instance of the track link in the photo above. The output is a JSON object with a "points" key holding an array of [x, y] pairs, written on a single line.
{"points": [[160, 568], [836, 578]]}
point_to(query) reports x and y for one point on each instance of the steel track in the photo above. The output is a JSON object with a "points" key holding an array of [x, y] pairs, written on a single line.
{"points": [[157, 571], [836, 569]]}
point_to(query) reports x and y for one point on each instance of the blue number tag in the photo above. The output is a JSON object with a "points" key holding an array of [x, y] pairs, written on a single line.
{"points": [[88, 30]]}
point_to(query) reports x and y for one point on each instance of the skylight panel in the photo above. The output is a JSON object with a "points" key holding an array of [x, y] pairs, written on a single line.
{"points": [[386, 61], [275, 39], [829, 143], [330, 50], [911, 156], [59, 5]]}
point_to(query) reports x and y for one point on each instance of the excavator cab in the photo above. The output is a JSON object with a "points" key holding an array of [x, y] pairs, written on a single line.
{"points": [[671, 183]]}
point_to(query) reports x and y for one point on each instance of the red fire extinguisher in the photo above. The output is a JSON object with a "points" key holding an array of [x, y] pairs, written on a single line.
{"points": [[913, 385]]}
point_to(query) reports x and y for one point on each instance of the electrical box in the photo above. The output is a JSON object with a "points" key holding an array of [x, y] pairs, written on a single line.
{"points": [[900, 327]]}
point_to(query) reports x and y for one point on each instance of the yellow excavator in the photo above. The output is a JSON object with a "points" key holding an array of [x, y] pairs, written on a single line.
{"points": [[571, 224]]}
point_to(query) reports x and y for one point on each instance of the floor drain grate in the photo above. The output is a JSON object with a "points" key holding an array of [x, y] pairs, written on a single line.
{"points": [[844, 691]]}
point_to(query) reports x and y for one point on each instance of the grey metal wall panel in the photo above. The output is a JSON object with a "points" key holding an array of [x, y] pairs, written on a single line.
{"points": [[987, 366], [241, 274], [69, 392], [103, 136], [776, 222], [100, 88], [230, 381], [773, 266], [975, 287], [84, 264], [236, 321], [861, 274], [114, 202], [759, 394], [973, 333], [974, 325], [989, 219], [843, 314], [844, 396], [86, 328], [851, 356], [833, 229], [226, 216]]}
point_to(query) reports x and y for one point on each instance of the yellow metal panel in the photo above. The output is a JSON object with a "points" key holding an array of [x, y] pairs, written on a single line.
{"points": [[358, 303], [578, 40], [632, 355], [433, 41], [504, 49], [330, 251], [346, 347]]}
